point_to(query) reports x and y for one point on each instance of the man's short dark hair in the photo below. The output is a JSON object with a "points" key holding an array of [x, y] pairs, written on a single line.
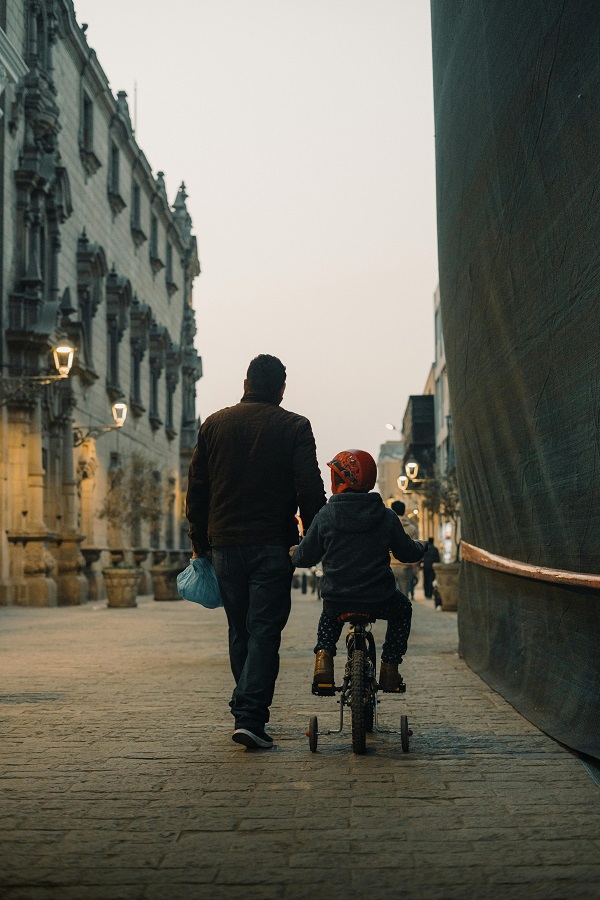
{"points": [[266, 375], [399, 507]]}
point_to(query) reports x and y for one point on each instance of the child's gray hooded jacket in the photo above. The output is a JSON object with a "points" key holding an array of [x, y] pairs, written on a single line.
{"points": [[353, 535]]}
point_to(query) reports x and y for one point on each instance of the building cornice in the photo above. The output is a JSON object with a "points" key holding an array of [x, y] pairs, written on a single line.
{"points": [[89, 67]]}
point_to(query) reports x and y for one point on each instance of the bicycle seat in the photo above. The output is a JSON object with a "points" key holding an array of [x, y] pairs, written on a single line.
{"points": [[355, 618]]}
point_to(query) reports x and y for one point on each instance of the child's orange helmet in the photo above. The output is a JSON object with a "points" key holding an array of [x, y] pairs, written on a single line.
{"points": [[356, 470]]}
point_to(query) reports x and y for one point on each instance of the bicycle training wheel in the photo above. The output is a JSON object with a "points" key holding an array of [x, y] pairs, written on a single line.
{"points": [[358, 702], [313, 733], [404, 733]]}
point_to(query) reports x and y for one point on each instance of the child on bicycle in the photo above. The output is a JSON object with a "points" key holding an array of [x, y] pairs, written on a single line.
{"points": [[353, 535]]}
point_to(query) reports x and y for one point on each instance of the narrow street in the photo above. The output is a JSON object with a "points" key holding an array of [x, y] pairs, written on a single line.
{"points": [[119, 778]]}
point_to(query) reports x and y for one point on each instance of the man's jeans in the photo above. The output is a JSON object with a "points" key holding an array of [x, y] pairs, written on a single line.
{"points": [[255, 586]]}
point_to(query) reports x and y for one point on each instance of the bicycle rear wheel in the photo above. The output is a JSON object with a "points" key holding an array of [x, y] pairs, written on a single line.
{"points": [[358, 701]]}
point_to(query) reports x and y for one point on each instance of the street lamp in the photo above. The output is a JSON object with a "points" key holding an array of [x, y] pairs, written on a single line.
{"points": [[412, 468], [24, 388], [119, 411], [63, 359], [80, 436], [403, 482]]}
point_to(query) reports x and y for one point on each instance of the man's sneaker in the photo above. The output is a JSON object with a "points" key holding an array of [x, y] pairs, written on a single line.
{"points": [[323, 678], [390, 680], [254, 740]]}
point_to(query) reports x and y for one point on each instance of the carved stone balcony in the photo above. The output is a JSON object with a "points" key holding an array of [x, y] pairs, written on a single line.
{"points": [[139, 236], [117, 204], [156, 262], [136, 408], [89, 161]]}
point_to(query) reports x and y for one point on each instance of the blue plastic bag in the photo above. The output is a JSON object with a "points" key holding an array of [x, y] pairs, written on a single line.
{"points": [[199, 583]]}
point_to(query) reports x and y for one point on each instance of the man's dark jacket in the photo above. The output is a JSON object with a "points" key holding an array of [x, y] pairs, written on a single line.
{"points": [[353, 536], [253, 466]]}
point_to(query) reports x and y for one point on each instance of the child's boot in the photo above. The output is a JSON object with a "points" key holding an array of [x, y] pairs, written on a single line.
{"points": [[390, 679], [323, 678]]}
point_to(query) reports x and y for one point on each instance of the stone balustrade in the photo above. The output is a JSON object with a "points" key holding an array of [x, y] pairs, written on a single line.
{"points": [[156, 570]]}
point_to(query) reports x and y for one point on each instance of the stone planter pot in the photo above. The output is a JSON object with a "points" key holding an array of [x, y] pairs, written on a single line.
{"points": [[446, 576], [164, 575], [121, 584]]}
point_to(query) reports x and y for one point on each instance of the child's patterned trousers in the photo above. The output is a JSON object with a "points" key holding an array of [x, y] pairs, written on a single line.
{"points": [[397, 611]]}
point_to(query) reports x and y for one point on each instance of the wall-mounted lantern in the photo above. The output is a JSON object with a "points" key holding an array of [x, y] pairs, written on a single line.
{"points": [[403, 482], [119, 411], [412, 468], [63, 359], [81, 435]]}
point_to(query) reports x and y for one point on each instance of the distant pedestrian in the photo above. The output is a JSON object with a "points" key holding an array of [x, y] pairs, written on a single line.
{"points": [[404, 573], [253, 466], [432, 555]]}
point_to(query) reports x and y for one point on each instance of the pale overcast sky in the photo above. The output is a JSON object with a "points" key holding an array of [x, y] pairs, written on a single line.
{"points": [[303, 130]]}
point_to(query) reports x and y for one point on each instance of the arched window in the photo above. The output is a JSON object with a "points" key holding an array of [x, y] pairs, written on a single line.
{"points": [[37, 50]]}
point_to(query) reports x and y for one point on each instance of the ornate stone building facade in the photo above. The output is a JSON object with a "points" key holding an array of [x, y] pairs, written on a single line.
{"points": [[389, 467], [93, 252]]}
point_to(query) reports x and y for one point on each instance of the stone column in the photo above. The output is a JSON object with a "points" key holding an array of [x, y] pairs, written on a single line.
{"points": [[96, 590], [31, 560], [72, 583], [145, 583], [5, 598], [13, 449]]}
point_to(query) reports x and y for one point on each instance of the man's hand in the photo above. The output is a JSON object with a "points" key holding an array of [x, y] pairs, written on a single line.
{"points": [[196, 554], [295, 547]]}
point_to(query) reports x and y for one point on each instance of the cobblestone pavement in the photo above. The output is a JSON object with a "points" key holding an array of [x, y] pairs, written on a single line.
{"points": [[119, 778]]}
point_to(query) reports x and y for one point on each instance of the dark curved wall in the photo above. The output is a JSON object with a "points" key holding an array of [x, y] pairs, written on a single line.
{"points": [[518, 183]]}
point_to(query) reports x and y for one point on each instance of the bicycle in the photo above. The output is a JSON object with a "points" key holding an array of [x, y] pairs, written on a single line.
{"points": [[358, 690]]}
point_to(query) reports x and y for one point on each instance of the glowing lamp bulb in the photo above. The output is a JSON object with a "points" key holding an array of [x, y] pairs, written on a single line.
{"points": [[63, 359], [120, 413]]}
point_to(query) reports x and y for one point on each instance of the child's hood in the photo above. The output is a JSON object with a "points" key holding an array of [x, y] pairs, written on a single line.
{"points": [[354, 513]]}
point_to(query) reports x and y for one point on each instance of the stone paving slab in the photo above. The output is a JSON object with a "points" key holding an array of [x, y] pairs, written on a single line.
{"points": [[118, 777]]}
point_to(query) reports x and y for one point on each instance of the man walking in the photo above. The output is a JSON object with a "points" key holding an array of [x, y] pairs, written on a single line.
{"points": [[432, 555], [253, 466], [404, 572]]}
